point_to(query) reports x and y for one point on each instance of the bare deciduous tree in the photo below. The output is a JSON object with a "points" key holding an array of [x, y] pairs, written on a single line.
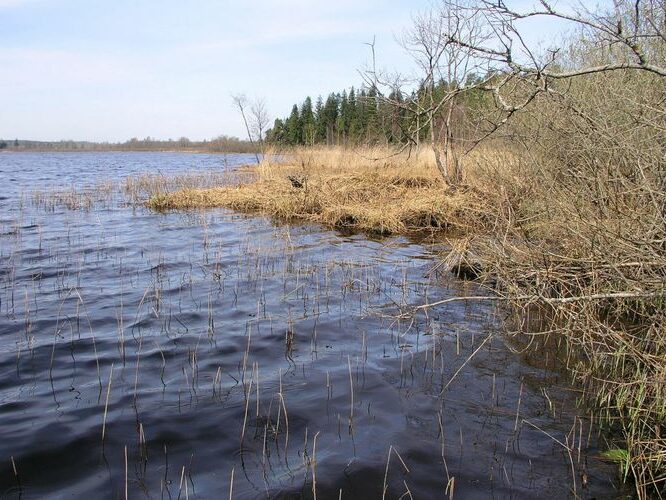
{"points": [[257, 121], [633, 32], [458, 39], [632, 35], [446, 71]]}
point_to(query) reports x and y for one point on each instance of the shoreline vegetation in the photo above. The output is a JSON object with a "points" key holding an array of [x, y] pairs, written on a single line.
{"points": [[221, 144], [372, 190]]}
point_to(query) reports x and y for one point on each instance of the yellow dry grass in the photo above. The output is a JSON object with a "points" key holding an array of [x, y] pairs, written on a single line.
{"points": [[372, 190]]}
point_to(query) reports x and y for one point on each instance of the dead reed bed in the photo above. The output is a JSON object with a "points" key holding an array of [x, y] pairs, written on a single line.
{"points": [[74, 198], [139, 187], [133, 190], [371, 190]]}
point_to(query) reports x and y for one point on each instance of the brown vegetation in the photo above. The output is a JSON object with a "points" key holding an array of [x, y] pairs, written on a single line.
{"points": [[372, 190], [584, 235]]}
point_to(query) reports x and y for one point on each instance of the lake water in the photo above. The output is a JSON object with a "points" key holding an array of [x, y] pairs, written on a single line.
{"points": [[209, 354]]}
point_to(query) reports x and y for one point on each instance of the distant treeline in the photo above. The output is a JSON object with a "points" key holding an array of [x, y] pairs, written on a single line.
{"points": [[221, 144], [363, 117]]}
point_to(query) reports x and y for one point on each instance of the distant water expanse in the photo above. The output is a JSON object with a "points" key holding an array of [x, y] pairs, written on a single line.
{"points": [[214, 354]]}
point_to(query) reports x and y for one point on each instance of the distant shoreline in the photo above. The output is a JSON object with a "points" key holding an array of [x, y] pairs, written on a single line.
{"points": [[222, 144], [110, 150]]}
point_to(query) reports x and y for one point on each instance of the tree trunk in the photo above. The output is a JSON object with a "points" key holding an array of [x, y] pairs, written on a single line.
{"points": [[435, 147]]}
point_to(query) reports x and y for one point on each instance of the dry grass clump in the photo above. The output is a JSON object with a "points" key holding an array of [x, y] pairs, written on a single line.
{"points": [[376, 191], [74, 198], [139, 187]]}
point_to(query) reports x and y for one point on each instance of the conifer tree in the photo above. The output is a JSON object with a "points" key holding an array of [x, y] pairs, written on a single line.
{"points": [[320, 122], [343, 120], [307, 123], [278, 133], [294, 132], [330, 117]]}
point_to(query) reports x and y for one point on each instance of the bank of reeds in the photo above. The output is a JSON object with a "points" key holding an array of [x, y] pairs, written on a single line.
{"points": [[371, 190], [139, 187]]}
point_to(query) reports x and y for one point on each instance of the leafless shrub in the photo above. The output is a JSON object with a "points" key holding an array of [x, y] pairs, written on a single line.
{"points": [[584, 236]]}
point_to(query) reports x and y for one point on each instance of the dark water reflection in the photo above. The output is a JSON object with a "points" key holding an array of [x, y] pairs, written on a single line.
{"points": [[197, 326]]}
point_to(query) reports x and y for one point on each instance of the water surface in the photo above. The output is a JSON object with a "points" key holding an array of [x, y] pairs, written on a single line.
{"points": [[185, 355]]}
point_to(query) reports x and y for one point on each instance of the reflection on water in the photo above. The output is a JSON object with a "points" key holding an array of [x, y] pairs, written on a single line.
{"points": [[183, 355]]}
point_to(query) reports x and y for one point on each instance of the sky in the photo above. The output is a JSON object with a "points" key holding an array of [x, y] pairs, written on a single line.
{"points": [[111, 70]]}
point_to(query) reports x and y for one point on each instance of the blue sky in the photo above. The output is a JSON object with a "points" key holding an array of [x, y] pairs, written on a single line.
{"points": [[112, 70]]}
